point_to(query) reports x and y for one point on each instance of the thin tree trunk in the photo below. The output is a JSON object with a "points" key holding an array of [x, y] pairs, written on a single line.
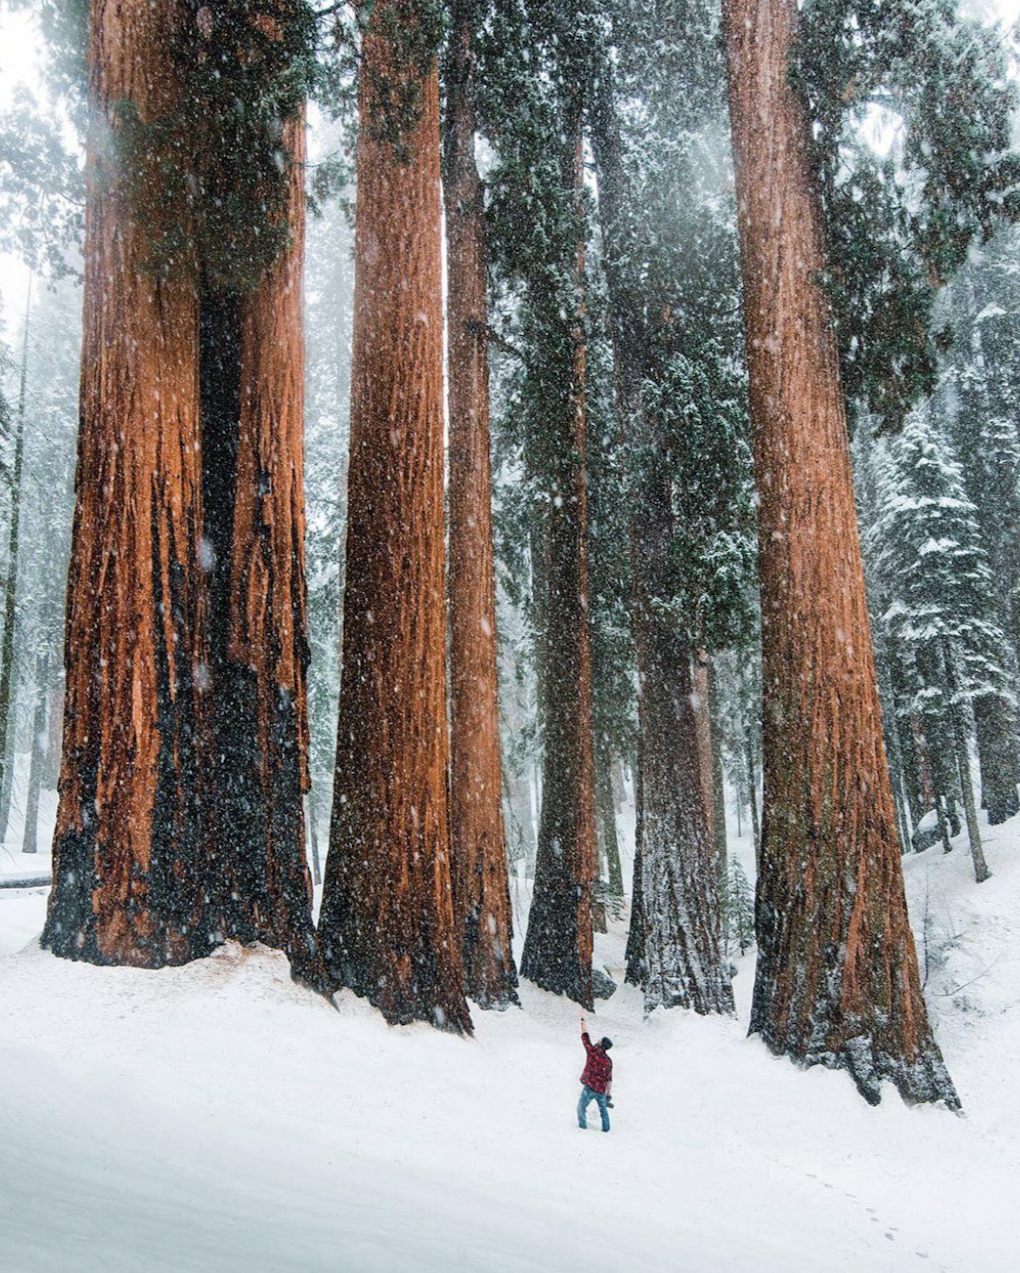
{"points": [[635, 955], [605, 807], [718, 783], [981, 871], [703, 725], [681, 958], [8, 756], [837, 979], [313, 824], [54, 732], [752, 793], [558, 946], [480, 878], [997, 757], [387, 924], [128, 873], [30, 843]]}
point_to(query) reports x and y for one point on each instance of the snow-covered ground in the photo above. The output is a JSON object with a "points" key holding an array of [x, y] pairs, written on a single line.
{"points": [[217, 1118]]}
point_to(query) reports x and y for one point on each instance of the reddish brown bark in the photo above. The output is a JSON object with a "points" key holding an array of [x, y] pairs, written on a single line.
{"points": [[127, 880], [387, 926], [703, 726], [558, 947], [257, 768], [837, 980], [481, 884]]}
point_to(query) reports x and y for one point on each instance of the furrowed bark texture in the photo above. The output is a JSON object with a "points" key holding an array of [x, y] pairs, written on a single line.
{"points": [[480, 877], [127, 879], [837, 979], [387, 926], [674, 942], [253, 426], [558, 946]]}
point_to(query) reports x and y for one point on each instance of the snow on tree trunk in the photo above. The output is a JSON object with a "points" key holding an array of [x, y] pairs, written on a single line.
{"points": [[387, 927], [558, 946], [128, 876], [480, 878], [837, 979]]}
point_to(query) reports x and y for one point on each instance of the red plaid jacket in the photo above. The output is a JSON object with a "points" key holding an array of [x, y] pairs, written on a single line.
{"points": [[598, 1072]]}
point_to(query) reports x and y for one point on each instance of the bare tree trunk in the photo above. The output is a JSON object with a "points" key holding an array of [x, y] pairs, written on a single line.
{"points": [[54, 732], [635, 955], [703, 726], [981, 871], [558, 946], [837, 980], [752, 793], [8, 753], [387, 924], [30, 843], [997, 755], [128, 873], [480, 878], [605, 807]]}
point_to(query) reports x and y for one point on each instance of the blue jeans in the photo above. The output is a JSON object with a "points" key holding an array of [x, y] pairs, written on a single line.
{"points": [[587, 1096]]}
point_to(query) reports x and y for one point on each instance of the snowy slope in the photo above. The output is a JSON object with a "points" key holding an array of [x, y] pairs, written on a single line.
{"points": [[217, 1118]]}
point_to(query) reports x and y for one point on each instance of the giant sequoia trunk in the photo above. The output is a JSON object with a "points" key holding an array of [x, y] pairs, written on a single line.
{"points": [[837, 979], [480, 880], [675, 926], [127, 879], [558, 947], [252, 436], [387, 925]]}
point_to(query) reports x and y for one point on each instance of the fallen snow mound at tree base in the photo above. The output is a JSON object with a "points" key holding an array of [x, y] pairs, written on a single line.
{"points": [[217, 1117]]}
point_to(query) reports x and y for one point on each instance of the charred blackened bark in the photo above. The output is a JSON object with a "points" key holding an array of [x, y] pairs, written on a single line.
{"points": [[253, 470], [837, 979], [387, 925], [558, 946], [128, 880], [480, 878]]}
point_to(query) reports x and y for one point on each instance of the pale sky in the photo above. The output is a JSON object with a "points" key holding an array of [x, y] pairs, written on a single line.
{"points": [[20, 64]]}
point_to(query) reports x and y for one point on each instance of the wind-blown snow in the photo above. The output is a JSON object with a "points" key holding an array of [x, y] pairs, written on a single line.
{"points": [[216, 1118]]}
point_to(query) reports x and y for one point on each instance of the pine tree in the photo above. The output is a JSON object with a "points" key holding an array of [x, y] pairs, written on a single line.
{"points": [[539, 232], [676, 412], [387, 922], [941, 611], [7, 688]]}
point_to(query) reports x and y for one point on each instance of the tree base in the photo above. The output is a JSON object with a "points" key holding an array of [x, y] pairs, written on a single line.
{"points": [[923, 1081]]}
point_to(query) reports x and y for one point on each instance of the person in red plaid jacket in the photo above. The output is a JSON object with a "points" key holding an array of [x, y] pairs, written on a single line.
{"points": [[597, 1080]]}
